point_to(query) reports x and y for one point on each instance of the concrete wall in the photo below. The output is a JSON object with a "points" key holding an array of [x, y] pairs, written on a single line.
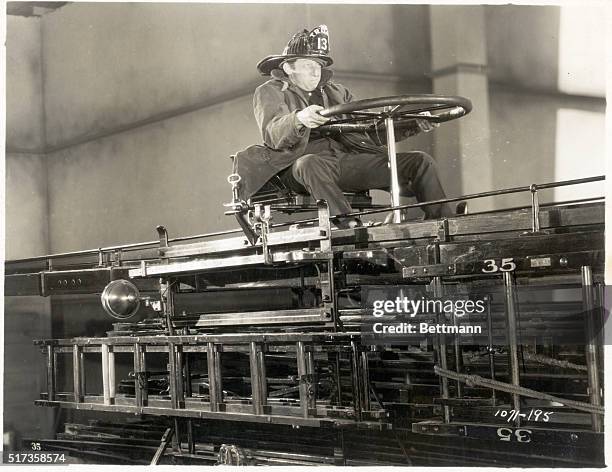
{"points": [[24, 97], [26, 212], [26, 178], [171, 172], [528, 53], [525, 139], [26, 225], [522, 125], [115, 64], [523, 45]]}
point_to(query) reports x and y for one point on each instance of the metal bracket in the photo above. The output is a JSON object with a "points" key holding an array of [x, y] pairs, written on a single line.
{"points": [[162, 232], [155, 305], [328, 292], [234, 180], [239, 208], [431, 270], [237, 205], [443, 230], [535, 213], [374, 256], [166, 291], [101, 259], [248, 230], [308, 256], [262, 216], [438, 429], [535, 209], [116, 260]]}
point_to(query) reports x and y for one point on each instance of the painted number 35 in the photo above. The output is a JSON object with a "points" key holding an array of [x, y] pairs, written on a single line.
{"points": [[520, 435], [491, 266]]}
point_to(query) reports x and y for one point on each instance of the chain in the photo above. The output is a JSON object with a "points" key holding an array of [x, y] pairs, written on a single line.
{"points": [[540, 359], [472, 380]]}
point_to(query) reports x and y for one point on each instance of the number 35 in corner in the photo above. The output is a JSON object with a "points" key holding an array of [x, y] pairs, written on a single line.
{"points": [[510, 435]]}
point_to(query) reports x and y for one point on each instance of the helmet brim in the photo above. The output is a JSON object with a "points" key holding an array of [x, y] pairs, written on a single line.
{"points": [[269, 63]]}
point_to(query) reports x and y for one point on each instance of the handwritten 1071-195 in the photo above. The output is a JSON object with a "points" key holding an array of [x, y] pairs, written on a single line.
{"points": [[534, 415]]}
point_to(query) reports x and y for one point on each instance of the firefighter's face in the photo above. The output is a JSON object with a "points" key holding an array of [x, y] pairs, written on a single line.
{"points": [[305, 73]]}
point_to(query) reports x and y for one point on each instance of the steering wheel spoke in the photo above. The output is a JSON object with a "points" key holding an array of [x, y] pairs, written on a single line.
{"points": [[370, 114]]}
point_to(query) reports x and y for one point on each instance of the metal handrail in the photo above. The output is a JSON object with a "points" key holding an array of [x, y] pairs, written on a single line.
{"points": [[492, 193]]}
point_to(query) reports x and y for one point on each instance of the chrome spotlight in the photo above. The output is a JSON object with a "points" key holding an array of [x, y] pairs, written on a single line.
{"points": [[121, 299]]}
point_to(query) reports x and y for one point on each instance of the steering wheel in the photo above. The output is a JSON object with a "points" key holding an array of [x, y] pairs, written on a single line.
{"points": [[370, 114]]}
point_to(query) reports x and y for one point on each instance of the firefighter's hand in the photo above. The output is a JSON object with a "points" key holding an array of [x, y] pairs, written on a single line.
{"points": [[310, 117], [426, 125]]}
